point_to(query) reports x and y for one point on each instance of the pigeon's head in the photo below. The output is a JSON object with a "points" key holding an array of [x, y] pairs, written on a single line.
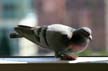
{"points": [[81, 35], [85, 31], [80, 39]]}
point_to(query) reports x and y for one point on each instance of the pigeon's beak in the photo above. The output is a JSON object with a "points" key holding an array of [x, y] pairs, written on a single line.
{"points": [[90, 37]]}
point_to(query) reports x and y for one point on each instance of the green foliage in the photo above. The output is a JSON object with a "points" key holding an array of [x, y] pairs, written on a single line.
{"points": [[90, 52], [86, 53]]}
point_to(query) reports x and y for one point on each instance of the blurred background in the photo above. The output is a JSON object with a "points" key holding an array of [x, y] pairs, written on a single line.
{"points": [[74, 13]]}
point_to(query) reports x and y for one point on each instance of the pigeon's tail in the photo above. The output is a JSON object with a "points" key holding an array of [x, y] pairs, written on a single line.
{"points": [[15, 35], [26, 32]]}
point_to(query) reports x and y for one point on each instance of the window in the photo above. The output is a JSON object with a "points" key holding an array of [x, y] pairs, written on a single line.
{"points": [[9, 11]]}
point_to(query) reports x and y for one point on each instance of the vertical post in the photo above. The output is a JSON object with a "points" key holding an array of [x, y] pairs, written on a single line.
{"points": [[106, 23]]}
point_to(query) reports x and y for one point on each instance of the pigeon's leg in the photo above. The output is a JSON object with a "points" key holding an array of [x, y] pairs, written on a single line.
{"points": [[68, 57], [58, 54], [63, 56]]}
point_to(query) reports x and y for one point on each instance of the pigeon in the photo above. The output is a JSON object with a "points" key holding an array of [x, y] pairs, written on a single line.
{"points": [[64, 40]]}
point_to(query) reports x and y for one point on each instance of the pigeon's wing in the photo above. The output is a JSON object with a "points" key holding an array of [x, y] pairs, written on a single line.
{"points": [[28, 33], [63, 29]]}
